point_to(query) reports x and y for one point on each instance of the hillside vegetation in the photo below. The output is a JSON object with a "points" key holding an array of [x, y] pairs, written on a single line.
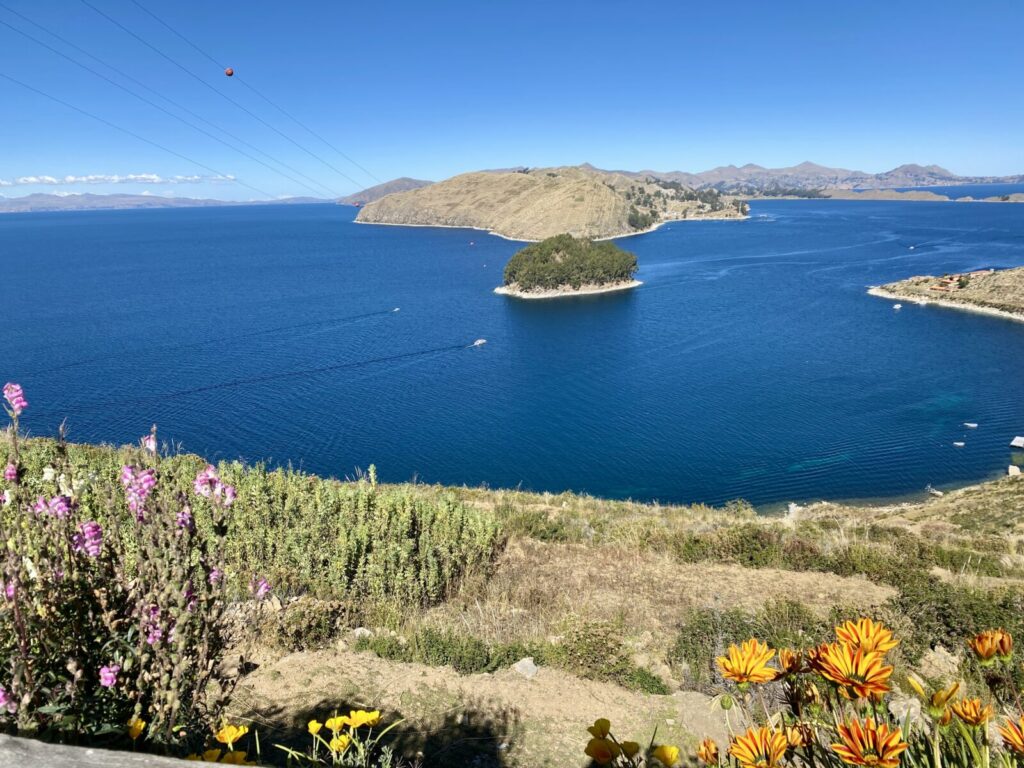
{"points": [[563, 260], [533, 204], [619, 603]]}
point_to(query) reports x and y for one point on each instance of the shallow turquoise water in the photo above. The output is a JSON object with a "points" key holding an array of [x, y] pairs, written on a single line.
{"points": [[750, 364]]}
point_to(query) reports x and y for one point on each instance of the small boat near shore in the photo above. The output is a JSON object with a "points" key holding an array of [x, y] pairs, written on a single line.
{"points": [[933, 491], [897, 307]]}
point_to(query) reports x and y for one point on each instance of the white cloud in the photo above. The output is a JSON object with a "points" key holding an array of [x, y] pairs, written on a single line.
{"points": [[106, 178]]}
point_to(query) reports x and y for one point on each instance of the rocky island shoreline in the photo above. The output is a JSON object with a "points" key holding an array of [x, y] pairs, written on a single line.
{"points": [[999, 293]]}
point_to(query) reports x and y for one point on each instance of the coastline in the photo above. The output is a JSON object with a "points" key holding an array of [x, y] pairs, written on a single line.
{"points": [[923, 301], [559, 293], [527, 240]]}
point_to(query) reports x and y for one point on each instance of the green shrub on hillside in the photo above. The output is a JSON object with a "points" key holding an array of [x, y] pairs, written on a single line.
{"points": [[360, 542], [564, 260]]}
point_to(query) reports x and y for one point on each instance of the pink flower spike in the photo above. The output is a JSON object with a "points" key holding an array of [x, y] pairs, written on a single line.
{"points": [[108, 675], [10, 472], [149, 442], [15, 397]]}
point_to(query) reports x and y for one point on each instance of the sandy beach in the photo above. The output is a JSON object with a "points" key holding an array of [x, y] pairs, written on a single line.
{"points": [[976, 308], [564, 292]]}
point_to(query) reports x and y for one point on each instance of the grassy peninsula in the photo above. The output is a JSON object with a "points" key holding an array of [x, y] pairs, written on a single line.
{"points": [[564, 266], [535, 203], [989, 291]]}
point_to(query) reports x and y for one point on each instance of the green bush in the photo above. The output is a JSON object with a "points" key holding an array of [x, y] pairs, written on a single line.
{"points": [[357, 542]]}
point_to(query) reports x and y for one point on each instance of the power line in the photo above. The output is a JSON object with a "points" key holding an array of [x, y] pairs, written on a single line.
{"points": [[223, 95], [157, 106], [134, 135], [253, 88]]}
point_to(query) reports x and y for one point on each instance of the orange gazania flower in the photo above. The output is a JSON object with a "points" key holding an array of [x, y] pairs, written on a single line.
{"points": [[790, 662], [707, 752], [867, 635], [991, 643], [748, 664], [870, 744], [857, 673], [1013, 735], [973, 712], [759, 748]]}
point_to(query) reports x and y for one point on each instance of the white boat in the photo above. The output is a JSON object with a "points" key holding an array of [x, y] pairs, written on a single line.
{"points": [[897, 306], [971, 424], [959, 444], [933, 491], [478, 343]]}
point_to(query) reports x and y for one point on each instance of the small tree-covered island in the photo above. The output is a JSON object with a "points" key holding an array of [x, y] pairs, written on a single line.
{"points": [[567, 266]]}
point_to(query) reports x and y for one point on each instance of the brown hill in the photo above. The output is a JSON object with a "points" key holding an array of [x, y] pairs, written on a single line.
{"points": [[533, 204]]}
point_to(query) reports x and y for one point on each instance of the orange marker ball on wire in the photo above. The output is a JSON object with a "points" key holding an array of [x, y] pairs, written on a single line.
{"points": [[229, 72]]}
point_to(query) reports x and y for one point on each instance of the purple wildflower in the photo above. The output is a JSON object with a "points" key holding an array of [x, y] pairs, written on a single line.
{"points": [[59, 507], [189, 594], [14, 395], [154, 632], [148, 442], [138, 484], [259, 587], [10, 472], [206, 481], [7, 497], [108, 675], [216, 576], [89, 539], [7, 701], [185, 520]]}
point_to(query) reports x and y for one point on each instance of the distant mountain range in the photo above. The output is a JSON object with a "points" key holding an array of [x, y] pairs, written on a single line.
{"points": [[753, 179], [370, 194], [92, 202]]}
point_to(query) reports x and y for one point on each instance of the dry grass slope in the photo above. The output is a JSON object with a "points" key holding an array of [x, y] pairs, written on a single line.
{"points": [[529, 205]]}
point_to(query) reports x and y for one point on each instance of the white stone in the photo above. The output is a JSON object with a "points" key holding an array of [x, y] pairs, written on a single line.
{"points": [[526, 668]]}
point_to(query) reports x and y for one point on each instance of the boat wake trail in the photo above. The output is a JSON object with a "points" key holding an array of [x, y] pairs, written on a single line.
{"points": [[218, 340]]}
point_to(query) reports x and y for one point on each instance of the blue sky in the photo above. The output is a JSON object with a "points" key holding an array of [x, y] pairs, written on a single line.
{"points": [[431, 89]]}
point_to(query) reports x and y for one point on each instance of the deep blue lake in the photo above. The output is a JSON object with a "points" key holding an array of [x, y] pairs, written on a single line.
{"points": [[751, 363]]}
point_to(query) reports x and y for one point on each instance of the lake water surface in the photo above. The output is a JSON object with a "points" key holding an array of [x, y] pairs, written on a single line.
{"points": [[751, 363]]}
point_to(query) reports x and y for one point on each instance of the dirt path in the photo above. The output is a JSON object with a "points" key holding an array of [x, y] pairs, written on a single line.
{"points": [[489, 719]]}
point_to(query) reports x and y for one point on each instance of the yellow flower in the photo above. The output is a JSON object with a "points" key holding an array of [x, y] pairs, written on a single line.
{"points": [[601, 751], [868, 744], [867, 635], [236, 757], [336, 723], [339, 743], [229, 734], [601, 728], [135, 727], [630, 748], [799, 735], [748, 664], [1013, 735], [991, 643], [707, 752], [209, 756], [666, 754], [972, 712], [937, 701], [759, 748], [314, 727], [858, 674], [357, 718]]}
